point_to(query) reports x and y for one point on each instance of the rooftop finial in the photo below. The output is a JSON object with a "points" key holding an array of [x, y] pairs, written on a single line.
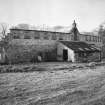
{"points": [[74, 24]]}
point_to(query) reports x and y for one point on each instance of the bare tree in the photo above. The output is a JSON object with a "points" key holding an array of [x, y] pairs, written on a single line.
{"points": [[3, 35], [3, 30]]}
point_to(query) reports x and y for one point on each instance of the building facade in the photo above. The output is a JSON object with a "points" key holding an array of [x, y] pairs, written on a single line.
{"points": [[28, 45], [73, 35]]}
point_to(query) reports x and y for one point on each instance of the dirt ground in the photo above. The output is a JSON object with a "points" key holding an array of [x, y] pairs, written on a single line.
{"points": [[52, 84]]}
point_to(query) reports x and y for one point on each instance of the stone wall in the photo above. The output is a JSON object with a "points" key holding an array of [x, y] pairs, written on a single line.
{"points": [[20, 51]]}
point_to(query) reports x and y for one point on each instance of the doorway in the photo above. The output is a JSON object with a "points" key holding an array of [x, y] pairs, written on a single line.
{"points": [[65, 54]]}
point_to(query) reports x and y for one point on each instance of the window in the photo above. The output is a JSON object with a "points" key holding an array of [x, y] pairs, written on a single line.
{"points": [[46, 36], [16, 37], [92, 38], [72, 38], [37, 36], [27, 37], [86, 38], [15, 32], [100, 39], [60, 37], [54, 37], [89, 38], [95, 39]]}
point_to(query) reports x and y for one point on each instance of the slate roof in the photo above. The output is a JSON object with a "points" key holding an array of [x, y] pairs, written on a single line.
{"points": [[79, 46]]}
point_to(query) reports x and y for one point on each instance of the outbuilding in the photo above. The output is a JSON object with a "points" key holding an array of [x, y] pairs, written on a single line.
{"points": [[77, 51]]}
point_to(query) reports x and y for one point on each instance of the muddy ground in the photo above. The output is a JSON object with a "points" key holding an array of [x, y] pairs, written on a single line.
{"points": [[52, 84]]}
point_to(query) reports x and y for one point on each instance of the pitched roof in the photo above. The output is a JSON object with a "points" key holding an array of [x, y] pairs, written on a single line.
{"points": [[79, 46]]}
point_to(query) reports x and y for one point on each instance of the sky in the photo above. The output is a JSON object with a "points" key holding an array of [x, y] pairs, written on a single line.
{"points": [[89, 14]]}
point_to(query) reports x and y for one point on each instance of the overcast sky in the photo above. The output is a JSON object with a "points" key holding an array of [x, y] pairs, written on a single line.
{"points": [[87, 13]]}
